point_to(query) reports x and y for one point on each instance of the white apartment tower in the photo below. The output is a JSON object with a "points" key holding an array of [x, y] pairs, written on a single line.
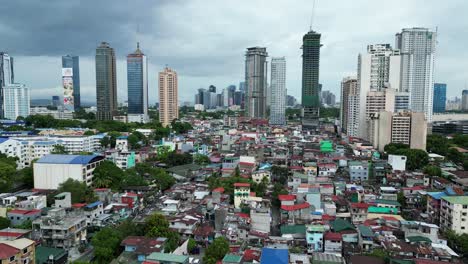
{"points": [[16, 101], [417, 47], [378, 69], [278, 91], [349, 106]]}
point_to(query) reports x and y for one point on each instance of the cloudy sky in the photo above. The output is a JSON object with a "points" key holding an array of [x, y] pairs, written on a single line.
{"points": [[205, 40]]}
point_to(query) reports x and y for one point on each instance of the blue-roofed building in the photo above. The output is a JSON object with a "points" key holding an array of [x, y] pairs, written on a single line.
{"points": [[93, 211], [274, 255], [53, 169]]}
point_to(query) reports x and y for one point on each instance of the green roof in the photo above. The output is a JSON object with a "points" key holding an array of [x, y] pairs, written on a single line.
{"points": [[167, 257], [300, 175], [456, 199], [401, 261], [381, 210], [365, 231], [340, 225], [293, 229], [389, 202], [412, 239], [232, 258], [326, 146], [43, 253]]}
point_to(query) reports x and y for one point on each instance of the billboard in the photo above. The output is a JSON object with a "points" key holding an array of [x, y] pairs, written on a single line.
{"points": [[67, 84]]}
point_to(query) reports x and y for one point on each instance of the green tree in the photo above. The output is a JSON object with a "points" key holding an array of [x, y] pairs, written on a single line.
{"points": [[59, 149], [191, 245], [4, 222], [465, 164], [130, 228], [106, 244], [80, 193], [27, 176], [280, 174], [401, 199], [432, 170], [7, 171], [133, 141], [454, 155], [156, 225], [133, 178], [88, 133], [108, 175], [216, 251], [201, 159], [393, 148], [379, 253], [180, 127], [437, 144], [415, 158], [461, 140], [25, 225]]}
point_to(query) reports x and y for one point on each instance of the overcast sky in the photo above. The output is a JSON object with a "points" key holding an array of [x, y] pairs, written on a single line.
{"points": [[205, 40]]}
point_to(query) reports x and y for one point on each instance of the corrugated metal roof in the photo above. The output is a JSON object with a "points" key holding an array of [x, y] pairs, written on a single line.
{"points": [[66, 159]]}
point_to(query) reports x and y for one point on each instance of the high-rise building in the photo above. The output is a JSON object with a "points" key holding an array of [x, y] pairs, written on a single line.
{"points": [[256, 82], [349, 106], [71, 94], [408, 128], [401, 101], [378, 69], [212, 89], [278, 91], [106, 82], [310, 80], [231, 90], [464, 100], [55, 100], [6, 75], [291, 100], [376, 102], [168, 96], [440, 96], [238, 98], [417, 47], [327, 98], [16, 101], [137, 79], [242, 86]]}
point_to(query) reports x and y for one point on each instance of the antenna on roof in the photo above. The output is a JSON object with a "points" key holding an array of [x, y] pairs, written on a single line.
{"points": [[312, 16]]}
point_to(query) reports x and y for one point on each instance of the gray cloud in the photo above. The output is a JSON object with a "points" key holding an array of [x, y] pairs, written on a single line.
{"points": [[205, 40]]}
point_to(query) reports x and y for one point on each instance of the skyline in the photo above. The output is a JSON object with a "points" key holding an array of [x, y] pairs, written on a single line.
{"points": [[215, 55]]}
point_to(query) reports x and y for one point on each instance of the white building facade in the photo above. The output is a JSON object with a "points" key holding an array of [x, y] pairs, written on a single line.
{"points": [[417, 47], [278, 91], [16, 101]]}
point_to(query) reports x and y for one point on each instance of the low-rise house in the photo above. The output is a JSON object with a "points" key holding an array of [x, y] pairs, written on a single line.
{"points": [[19, 216], [92, 211], [171, 206], [388, 204], [62, 200], [258, 176], [60, 229], [143, 246], [358, 171], [17, 251], [241, 193], [277, 255], [358, 212], [327, 169], [365, 238], [314, 238], [416, 228], [332, 242]]}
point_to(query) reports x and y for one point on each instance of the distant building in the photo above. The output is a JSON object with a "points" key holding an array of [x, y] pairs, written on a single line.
{"points": [[464, 101], [73, 63], [6, 75], [55, 100], [349, 106], [256, 82], [168, 96], [137, 79], [327, 98], [278, 91], [291, 101], [408, 128], [402, 101], [440, 96], [106, 82], [417, 47], [310, 80], [52, 170], [16, 101]]}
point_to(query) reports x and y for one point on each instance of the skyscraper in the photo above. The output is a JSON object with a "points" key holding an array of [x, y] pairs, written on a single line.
{"points": [[378, 69], [168, 96], [71, 94], [440, 96], [464, 100], [349, 106], [278, 91], [106, 82], [310, 80], [55, 100], [417, 47], [6, 76], [256, 81], [16, 101], [137, 79]]}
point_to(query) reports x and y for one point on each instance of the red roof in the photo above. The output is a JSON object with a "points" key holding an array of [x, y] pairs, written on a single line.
{"points": [[250, 254], [78, 205], [25, 212], [414, 188], [7, 251], [287, 197], [101, 189], [252, 194], [11, 234], [360, 205], [332, 236], [243, 215], [295, 207], [241, 184], [245, 163], [326, 217], [389, 218], [219, 189]]}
